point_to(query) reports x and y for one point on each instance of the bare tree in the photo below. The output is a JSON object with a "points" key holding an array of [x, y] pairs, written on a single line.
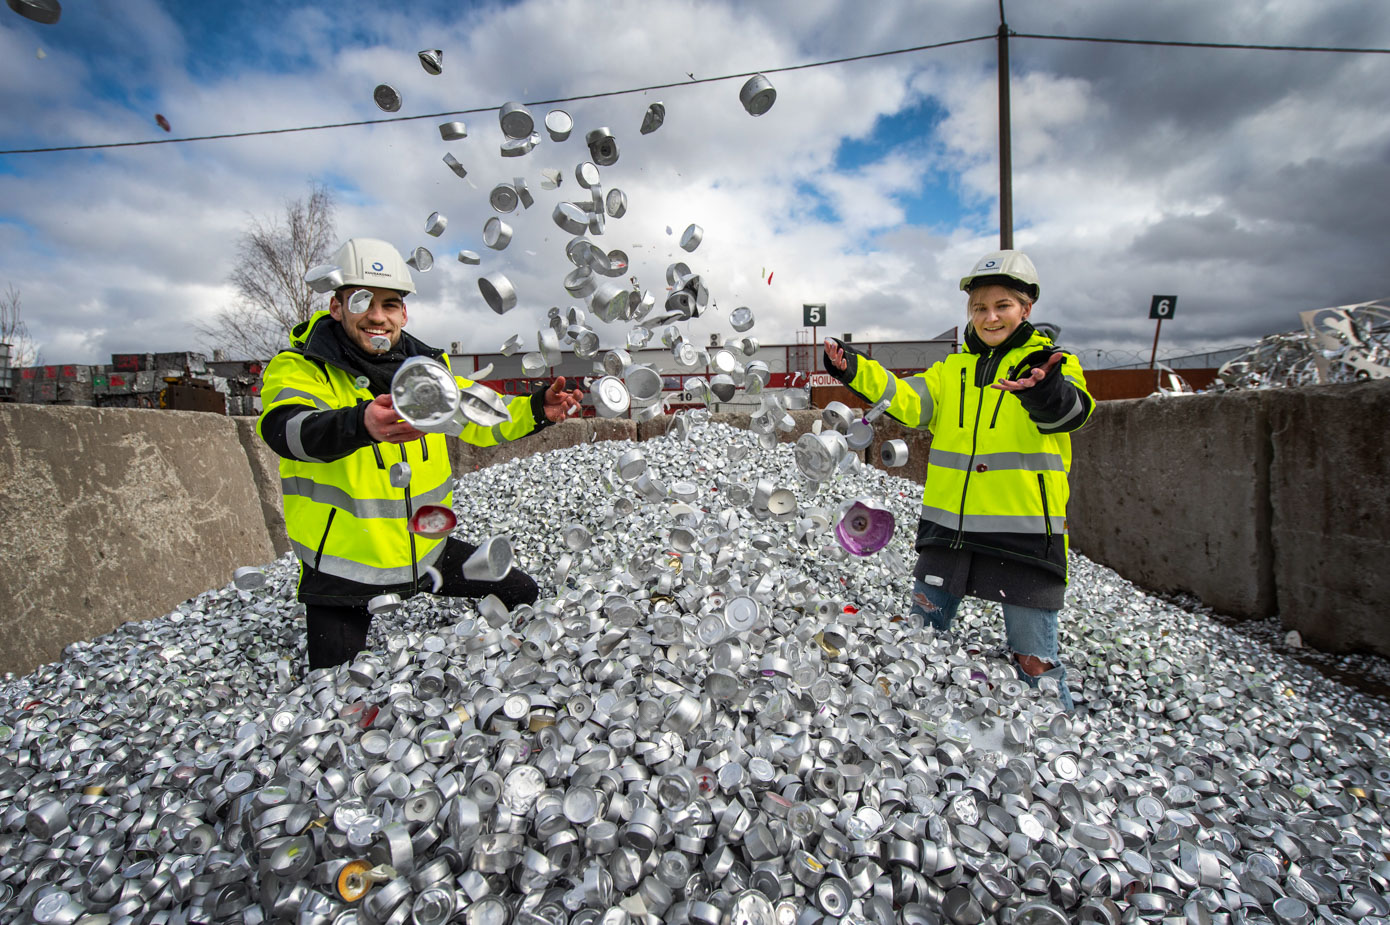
{"points": [[13, 331], [272, 257]]}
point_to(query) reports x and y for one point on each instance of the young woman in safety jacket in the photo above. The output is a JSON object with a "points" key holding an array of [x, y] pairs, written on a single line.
{"points": [[994, 510], [328, 415]]}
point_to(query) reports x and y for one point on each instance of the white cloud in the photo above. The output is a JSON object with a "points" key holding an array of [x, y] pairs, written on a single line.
{"points": [[1240, 182]]}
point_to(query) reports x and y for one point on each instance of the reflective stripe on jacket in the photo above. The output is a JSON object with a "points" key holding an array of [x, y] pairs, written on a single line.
{"points": [[996, 477], [343, 517]]}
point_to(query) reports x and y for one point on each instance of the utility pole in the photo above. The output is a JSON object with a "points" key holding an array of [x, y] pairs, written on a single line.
{"points": [[1006, 185]]}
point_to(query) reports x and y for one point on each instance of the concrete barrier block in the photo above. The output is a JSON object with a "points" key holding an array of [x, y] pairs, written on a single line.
{"points": [[113, 515], [918, 448], [465, 457], [1331, 513], [265, 469], [1172, 493]]}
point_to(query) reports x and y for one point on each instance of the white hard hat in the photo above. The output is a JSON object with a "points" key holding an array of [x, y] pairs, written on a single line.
{"points": [[1001, 267], [370, 262]]}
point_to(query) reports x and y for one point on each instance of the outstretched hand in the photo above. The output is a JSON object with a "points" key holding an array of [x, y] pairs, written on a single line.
{"points": [[1032, 377], [558, 403], [385, 425], [836, 354]]}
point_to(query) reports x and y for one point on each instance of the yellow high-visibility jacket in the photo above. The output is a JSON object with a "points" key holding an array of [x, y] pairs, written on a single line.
{"points": [[997, 473], [346, 522]]}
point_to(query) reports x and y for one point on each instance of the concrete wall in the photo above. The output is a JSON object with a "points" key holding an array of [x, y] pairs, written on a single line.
{"points": [[1330, 493], [1173, 493], [1258, 503], [111, 515]]}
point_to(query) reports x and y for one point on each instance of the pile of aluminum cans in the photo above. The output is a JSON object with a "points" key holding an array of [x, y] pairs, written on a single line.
{"points": [[713, 714]]}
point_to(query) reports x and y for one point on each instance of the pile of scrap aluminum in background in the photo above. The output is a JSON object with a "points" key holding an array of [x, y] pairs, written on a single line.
{"points": [[714, 714], [1348, 343]]}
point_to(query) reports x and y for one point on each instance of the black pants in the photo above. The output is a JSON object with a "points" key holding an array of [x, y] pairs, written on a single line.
{"points": [[337, 632]]}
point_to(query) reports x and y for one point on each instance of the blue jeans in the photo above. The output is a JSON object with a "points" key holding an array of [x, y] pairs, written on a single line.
{"points": [[1029, 631]]}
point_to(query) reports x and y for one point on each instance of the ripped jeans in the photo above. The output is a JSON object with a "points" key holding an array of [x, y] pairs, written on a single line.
{"points": [[1029, 631]]}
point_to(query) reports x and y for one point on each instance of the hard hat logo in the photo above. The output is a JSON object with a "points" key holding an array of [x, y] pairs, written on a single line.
{"points": [[378, 266]]}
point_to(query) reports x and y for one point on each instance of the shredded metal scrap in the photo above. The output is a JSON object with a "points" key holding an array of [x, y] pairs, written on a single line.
{"points": [[1348, 343]]}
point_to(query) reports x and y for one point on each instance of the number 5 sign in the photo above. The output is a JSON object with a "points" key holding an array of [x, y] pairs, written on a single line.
{"points": [[1163, 306], [813, 316]]}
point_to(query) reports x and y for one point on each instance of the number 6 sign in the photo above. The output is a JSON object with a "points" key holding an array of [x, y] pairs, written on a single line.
{"points": [[1163, 306]]}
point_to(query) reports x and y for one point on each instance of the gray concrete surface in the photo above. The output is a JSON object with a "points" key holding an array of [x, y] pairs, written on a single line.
{"points": [[1330, 494], [112, 515], [1173, 493], [265, 470], [464, 457]]}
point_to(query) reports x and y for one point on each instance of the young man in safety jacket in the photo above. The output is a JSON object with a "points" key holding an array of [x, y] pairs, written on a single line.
{"points": [[994, 510], [328, 415]]}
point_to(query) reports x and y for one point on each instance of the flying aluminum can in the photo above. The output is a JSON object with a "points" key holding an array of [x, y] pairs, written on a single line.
{"points": [[757, 95]]}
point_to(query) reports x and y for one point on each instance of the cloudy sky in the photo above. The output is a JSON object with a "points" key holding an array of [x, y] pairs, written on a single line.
{"points": [[1249, 183]]}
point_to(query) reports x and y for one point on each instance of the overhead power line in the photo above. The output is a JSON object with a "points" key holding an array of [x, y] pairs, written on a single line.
{"points": [[468, 112], [704, 80]]}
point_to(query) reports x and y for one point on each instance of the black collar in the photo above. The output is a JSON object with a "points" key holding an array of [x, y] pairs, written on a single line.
{"points": [[1020, 336], [329, 343]]}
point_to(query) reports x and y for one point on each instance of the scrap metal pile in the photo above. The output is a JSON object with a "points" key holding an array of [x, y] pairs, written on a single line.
{"points": [[712, 715], [1349, 343]]}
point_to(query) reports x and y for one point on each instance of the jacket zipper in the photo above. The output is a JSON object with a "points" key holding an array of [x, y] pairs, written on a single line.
{"points": [[1047, 516], [409, 513], [1000, 400], [323, 540], [974, 442], [962, 397]]}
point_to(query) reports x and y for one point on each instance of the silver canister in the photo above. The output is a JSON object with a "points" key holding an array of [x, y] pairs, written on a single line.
{"points": [[453, 131], [609, 300], [470, 258], [741, 319], [893, 453], [610, 397], [515, 120], [570, 218], [558, 124], [691, 237], [498, 293], [383, 604], [491, 561], [653, 117], [586, 174], [497, 234], [503, 198], [459, 170], [432, 60], [324, 278], [386, 98], [757, 95], [603, 147], [435, 224], [643, 385], [616, 203]]}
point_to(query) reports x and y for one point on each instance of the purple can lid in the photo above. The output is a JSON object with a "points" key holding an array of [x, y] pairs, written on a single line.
{"points": [[864, 530]]}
